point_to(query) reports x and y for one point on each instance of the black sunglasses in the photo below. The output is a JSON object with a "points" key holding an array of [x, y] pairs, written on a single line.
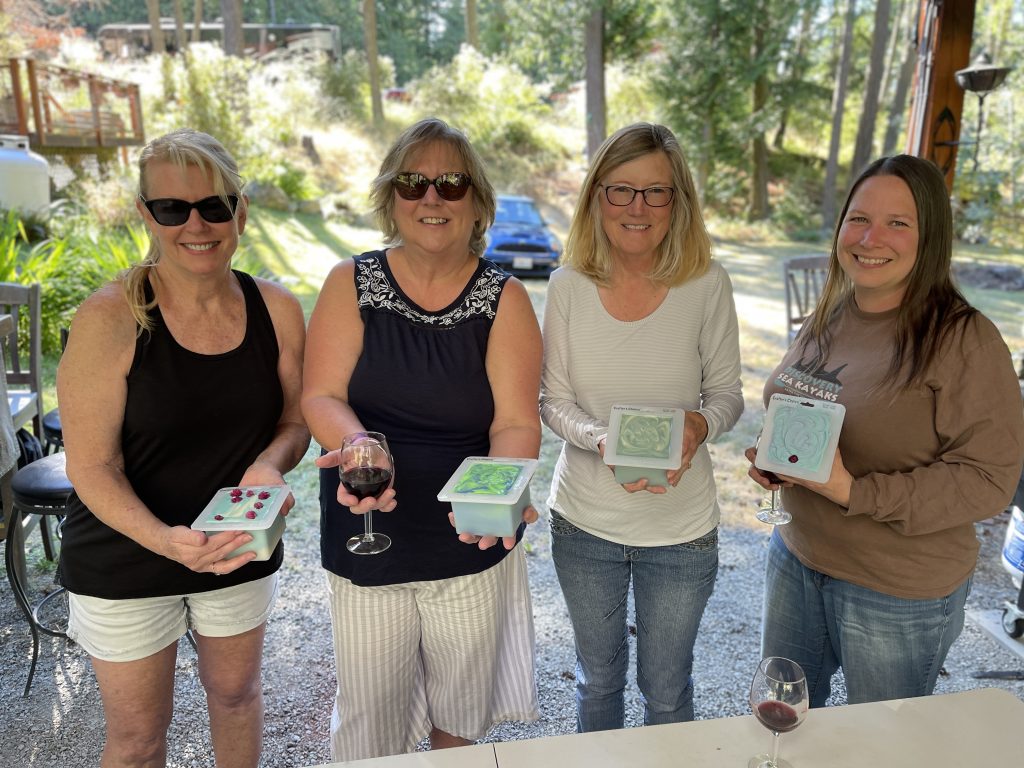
{"points": [[171, 212], [450, 186]]}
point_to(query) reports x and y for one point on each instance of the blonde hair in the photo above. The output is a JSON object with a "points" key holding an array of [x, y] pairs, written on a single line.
{"points": [[184, 148], [412, 140], [685, 252]]}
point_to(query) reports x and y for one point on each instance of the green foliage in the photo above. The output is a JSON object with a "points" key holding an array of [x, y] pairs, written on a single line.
{"points": [[346, 85], [291, 179], [977, 204], [207, 91], [544, 38], [497, 107]]}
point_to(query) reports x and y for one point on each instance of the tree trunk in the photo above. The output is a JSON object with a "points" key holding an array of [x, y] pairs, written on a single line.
{"points": [[373, 67], [231, 11], [179, 27], [593, 44], [472, 31], [797, 70], [197, 19], [758, 207], [828, 195], [864, 147], [156, 32], [898, 105]]}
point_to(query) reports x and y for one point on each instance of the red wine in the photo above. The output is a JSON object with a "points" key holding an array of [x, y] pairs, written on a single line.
{"points": [[777, 716], [363, 482]]}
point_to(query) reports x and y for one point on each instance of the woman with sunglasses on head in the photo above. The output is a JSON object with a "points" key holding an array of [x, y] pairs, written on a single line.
{"points": [[439, 350], [874, 570], [180, 377], [638, 315]]}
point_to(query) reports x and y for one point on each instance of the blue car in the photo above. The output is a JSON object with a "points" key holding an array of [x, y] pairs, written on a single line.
{"points": [[519, 241]]}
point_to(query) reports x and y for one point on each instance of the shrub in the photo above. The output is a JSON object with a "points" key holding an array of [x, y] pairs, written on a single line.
{"points": [[345, 84], [500, 110]]}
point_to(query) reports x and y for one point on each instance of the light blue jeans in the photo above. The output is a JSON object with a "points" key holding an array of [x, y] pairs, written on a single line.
{"points": [[889, 647], [671, 587]]}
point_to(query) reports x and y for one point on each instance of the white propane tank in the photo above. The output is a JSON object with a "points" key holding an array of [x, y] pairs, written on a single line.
{"points": [[24, 177], [1013, 547]]}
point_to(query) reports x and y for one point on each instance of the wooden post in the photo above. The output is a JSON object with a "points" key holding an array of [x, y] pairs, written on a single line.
{"points": [[19, 97], [944, 32], [135, 104], [94, 101], [37, 112]]}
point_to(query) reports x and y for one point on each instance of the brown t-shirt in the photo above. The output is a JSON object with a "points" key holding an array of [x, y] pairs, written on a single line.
{"points": [[928, 460]]}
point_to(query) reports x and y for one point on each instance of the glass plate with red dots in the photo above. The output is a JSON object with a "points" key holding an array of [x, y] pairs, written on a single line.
{"points": [[254, 509]]}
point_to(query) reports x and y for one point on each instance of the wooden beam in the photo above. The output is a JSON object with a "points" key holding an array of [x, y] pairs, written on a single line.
{"points": [[944, 32]]}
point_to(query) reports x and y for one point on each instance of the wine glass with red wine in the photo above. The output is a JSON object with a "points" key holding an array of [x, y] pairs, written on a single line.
{"points": [[366, 470], [778, 698]]}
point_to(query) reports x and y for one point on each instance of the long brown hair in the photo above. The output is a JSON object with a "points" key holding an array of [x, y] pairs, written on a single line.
{"points": [[932, 307], [685, 252]]}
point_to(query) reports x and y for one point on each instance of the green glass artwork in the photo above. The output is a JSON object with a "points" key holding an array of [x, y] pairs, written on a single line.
{"points": [[488, 479], [647, 436], [799, 437]]}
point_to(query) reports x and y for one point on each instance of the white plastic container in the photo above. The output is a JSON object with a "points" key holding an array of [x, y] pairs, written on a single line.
{"points": [[644, 443], [253, 509], [488, 494], [24, 177], [1013, 547]]}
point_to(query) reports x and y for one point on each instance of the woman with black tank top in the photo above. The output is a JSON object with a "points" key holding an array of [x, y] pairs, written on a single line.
{"points": [[441, 351], [180, 377]]}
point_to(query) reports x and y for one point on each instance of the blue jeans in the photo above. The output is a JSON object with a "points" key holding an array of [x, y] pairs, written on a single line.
{"points": [[889, 647], [671, 587]]}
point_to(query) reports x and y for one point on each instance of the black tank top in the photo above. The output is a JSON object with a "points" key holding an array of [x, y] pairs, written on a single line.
{"points": [[421, 380], [193, 423]]}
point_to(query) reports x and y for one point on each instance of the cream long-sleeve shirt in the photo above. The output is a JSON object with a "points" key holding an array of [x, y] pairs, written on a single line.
{"points": [[685, 355]]}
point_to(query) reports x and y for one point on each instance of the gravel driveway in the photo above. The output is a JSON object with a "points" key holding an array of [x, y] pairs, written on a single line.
{"points": [[61, 723]]}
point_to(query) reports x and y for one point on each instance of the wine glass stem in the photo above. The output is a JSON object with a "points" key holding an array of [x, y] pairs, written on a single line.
{"points": [[368, 526], [775, 749], [775, 508]]}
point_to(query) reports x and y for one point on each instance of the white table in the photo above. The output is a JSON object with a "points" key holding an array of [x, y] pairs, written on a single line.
{"points": [[971, 729], [974, 729], [475, 756]]}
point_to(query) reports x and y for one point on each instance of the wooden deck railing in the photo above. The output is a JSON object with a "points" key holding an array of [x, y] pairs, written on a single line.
{"points": [[60, 108]]}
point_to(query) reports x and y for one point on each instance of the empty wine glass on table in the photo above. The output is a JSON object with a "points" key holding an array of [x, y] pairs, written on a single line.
{"points": [[778, 698], [366, 469]]}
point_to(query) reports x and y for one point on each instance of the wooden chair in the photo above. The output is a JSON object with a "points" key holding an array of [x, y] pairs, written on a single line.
{"points": [[804, 278], [24, 390]]}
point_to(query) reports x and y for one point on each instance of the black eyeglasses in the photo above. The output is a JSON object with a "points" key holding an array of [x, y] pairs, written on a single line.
{"points": [[171, 212], [450, 186], [621, 195]]}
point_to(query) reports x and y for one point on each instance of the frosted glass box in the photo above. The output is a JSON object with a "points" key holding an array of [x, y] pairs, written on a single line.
{"points": [[800, 437], [254, 509], [644, 442], [488, 494]]}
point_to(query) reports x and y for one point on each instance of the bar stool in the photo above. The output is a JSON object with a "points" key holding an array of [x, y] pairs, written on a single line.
{"points": [[40, 490]]}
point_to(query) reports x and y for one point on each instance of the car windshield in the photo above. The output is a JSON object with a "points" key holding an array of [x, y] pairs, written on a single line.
{"points": [[517, 211]]}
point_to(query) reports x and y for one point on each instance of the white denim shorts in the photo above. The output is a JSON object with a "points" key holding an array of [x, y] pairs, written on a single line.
{"points": [[128, 630]]}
